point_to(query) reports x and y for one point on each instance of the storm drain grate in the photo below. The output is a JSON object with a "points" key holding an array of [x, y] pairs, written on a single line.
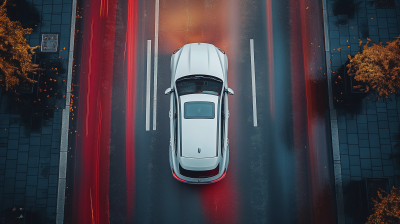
{"points": [[49, 43]]}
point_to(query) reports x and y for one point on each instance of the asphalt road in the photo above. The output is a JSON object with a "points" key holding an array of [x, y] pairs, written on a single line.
{"points": [[279, 172]]}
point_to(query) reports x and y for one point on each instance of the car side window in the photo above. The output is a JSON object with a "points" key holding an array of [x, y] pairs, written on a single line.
{"points": [[222, 123], [175, 116]]}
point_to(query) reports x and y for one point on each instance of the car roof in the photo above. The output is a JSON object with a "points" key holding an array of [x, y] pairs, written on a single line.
{"points": [[199, 133]]}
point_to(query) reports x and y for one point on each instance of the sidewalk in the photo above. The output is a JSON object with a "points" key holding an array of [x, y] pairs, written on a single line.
{"points": [[368, 131], [30, 136]]}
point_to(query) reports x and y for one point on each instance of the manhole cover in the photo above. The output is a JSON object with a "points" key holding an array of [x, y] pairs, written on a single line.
{"points": [[49, 42]]}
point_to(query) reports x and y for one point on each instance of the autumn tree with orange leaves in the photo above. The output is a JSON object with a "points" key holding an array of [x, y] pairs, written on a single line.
{"points": [[387, 210], [378, 67], [15, 59]]}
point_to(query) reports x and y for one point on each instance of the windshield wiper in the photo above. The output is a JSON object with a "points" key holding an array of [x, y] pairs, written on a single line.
{"points": [[199, 77]]}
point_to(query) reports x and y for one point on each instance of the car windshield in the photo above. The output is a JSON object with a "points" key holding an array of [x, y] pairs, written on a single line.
{"points": [[199, 84]]}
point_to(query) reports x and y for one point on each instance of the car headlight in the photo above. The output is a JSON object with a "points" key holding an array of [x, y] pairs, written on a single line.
{"points": [[221, 50]]}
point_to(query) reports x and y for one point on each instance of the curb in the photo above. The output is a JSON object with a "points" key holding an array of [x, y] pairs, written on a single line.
{"points": [[62, 172], [334, 127]]}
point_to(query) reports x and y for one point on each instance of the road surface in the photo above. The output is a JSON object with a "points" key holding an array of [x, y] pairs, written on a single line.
{"points": [[280, 168]]}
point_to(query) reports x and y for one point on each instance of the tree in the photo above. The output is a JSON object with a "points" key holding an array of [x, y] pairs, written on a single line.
{"points": [[378, 67], [15, 52], [388, 209]]}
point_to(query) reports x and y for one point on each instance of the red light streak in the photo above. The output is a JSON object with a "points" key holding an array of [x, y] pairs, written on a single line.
{"points": [[103, 10], [124, 51], [91, 205], [310, 108], [219, 178], [314, 206], [219, 201], [88, 83], [92, 155], [300, 125], [131, 44], [319, 183]]}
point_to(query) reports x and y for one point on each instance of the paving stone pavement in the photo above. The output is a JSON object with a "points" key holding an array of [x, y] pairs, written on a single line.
{"points": [[368, 134], [29, 156]]}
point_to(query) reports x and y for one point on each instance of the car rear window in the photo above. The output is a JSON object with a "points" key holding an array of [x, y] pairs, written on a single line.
{"points": [[199, 110], [199, 174]]}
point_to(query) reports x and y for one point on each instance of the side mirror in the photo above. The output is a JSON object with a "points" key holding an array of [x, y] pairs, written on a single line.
{"points": [[230, 91], [168, 91]]}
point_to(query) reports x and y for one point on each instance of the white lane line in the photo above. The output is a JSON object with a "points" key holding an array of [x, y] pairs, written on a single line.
{"points": [[148, 85], [155, 66], [253, 82]]}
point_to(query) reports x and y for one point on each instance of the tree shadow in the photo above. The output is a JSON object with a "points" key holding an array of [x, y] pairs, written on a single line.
{"points": [[345, 7], [371, 3], [24, 12], [36, 106], [385, 4], [29, 216], [355, 201], [33, 217], [395, 155], [364, 30], [343, 98]]}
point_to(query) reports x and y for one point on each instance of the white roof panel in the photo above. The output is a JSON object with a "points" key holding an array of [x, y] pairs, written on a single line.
{"points": [[199, 133]]}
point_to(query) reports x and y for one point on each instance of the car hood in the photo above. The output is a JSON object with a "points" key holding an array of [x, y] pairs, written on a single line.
{"points": [[199, 133], [199, 58]]}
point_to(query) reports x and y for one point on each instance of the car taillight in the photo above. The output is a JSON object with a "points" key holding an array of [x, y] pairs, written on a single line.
{"points": [[176, 51], [173, 173], [221, 51], [222, 176]]}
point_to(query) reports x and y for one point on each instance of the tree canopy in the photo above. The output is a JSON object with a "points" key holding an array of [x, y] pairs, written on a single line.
{"points": [[387, 210], [378, 66], [15, 52]]}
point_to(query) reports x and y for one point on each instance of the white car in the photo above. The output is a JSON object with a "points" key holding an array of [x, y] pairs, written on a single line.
{"points": [[199, 145]]}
